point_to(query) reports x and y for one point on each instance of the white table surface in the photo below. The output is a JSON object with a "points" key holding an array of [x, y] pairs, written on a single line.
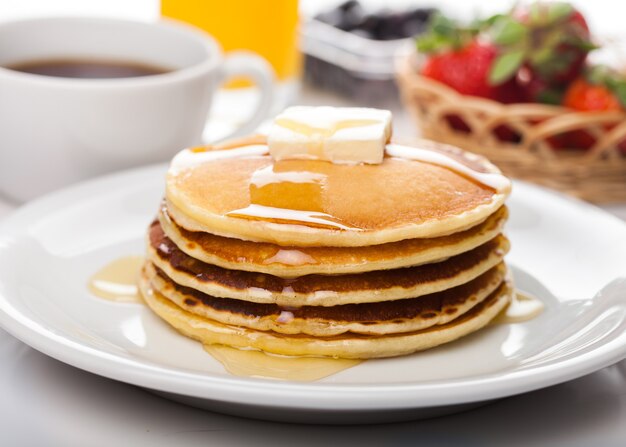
{"points": [[44, 402]]}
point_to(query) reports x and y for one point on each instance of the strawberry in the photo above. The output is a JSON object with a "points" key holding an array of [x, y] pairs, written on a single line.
{"points": [[465, 69], [585, 96], [543, 45], [600, 90], [560, 40], [457, 58]]}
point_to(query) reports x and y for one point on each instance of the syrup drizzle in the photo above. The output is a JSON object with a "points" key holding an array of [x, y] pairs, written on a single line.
{"points": [[189, 158], [493, 180], [281, 193], [523, 307], [249, 363], [295, 196], [117, 281]]}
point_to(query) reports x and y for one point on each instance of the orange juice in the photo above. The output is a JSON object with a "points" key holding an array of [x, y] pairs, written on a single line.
{"points": [[269, 28]]}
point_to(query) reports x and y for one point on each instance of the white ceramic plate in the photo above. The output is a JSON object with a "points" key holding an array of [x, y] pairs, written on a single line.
{"points": [[570, 254]]}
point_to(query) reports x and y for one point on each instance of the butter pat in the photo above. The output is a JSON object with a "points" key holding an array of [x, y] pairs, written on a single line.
{"points": [[343, 135]]}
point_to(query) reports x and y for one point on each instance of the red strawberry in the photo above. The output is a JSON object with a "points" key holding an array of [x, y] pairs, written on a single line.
{"points": [[466, 70], [535, 89], [456, 58], [586, 96], [511, 93]]}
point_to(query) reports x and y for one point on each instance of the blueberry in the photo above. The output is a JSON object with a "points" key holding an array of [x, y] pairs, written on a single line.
{"points": [[383, 25], [347, 6], [332, 17]]}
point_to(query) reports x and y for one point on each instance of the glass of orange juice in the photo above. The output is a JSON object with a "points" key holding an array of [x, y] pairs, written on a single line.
{"points": [[268, 28]]}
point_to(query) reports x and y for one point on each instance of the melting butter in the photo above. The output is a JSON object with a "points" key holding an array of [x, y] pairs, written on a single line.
{"points": [[331, 130], [523, 307], [318, 135], [248, 363], [117, 281], [342, 135]]}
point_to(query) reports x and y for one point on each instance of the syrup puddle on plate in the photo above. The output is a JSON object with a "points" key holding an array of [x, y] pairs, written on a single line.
{"points": [[523, 307], [249, 363], [117, 281]]}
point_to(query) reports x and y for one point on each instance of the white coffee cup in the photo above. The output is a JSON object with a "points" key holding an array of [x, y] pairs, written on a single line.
{"points": [[55, 131]]}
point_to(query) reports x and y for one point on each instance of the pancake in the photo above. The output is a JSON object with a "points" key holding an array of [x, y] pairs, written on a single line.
{"points": [[241, 193], [348, 345], [372, 318], [303, 257], [293, 261], [322, 290]]}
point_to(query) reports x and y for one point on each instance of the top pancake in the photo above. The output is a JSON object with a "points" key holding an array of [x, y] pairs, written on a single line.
{"points": [[317, 203]]}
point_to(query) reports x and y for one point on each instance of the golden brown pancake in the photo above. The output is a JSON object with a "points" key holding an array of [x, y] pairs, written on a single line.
{"points": [[311, 258], [347, 345], [294, 261], [384, 317], [322, 290], [360, 205]]}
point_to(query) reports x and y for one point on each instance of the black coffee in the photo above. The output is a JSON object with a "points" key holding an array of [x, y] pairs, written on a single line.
{"points": [[88, 69]]}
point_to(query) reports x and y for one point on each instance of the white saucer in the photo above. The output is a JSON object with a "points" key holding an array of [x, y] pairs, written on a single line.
{"points": [[568, 253]]}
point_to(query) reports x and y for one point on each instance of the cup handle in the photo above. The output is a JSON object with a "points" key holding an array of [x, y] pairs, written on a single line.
{"points": [[247, 64]]}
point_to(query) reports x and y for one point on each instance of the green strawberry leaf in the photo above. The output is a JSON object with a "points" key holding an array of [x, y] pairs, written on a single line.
{"points": [[505, 66], [431, 43], [550, 96], [543, 13], [620, 92], [445, 27], [598, 75], [541, 56], [535, 13], [548, 52], [481, 24], [558, 11], [444, 34], [619, 89], [610, 78], [582, 44], [506, 31]]}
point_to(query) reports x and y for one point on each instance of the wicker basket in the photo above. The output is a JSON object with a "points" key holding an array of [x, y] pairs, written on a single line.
{"points": [[521, 138]]}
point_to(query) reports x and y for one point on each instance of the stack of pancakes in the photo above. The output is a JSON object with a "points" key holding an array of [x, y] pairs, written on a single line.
{"points": [[330, 260]]}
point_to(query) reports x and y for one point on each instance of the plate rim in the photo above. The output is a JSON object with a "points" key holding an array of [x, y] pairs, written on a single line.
{"points": [[297, 395]]}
